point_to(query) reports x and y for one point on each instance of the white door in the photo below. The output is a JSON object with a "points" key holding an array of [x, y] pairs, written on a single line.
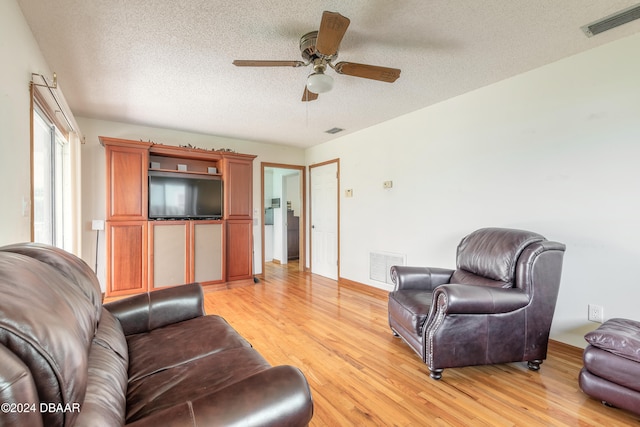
{"points": [[284, 258], [324, 220]]}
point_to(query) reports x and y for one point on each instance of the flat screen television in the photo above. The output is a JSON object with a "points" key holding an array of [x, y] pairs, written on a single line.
{"points": [[184, 196]]}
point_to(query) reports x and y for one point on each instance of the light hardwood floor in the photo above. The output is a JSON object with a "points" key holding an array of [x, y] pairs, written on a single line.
{"points": [[361, 375]]}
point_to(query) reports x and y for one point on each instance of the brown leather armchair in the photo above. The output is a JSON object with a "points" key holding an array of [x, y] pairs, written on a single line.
{"points": [[495, 307]]}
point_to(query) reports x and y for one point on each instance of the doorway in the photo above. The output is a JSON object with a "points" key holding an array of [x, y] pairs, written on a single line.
{"points": [[283, 214]]}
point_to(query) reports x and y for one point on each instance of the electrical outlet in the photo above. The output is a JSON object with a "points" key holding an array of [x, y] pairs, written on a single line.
{"points": [[387, 184], [596, 313]]}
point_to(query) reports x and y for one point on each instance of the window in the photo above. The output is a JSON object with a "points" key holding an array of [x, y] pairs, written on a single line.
{"points": [[52, 194], [55, 168]]}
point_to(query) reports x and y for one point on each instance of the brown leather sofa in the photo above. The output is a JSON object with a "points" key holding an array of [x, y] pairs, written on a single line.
{"points": [[612, 364], [152, 359], [495, 307]]}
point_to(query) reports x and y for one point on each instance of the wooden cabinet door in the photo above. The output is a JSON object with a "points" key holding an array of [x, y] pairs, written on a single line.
{"points": [[126, 257], [169, 253], [208, 251], [238, 178], [127, 182], [239, 249]]}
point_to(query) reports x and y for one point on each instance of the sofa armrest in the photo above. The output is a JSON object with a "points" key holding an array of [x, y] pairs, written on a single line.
{"points": [[276, 397], [473, 299], [17, 387], [152, 310], [420, 278]]}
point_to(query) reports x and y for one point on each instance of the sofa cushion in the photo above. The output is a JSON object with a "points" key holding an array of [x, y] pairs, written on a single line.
{"points": [[191, 380], [189, 340], [278, 396], [617, 336], [105, 400]]}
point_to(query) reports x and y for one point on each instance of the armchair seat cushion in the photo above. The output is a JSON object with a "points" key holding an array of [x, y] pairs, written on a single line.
{"points": [[617, 336], [410, 308]]}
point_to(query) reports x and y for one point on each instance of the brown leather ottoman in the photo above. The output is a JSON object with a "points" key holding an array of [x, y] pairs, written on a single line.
{"points": [[611, 370]]}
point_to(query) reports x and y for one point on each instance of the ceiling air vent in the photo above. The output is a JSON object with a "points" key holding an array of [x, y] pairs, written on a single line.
{"points": [[334, 130], [619, 18]]}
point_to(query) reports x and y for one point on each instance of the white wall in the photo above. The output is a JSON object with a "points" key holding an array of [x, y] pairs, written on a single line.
{"points": [[555, 150], [21, 57], [94, 173]]}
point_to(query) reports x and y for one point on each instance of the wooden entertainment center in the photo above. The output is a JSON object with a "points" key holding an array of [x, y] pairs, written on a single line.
{"points": [[144, 254]]}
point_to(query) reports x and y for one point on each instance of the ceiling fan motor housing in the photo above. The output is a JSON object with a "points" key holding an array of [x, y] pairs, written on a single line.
{"points": [[308, 48]]}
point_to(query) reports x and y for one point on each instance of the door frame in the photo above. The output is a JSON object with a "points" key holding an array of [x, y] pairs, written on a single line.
{"points": [[303, 214], [337, 161]]}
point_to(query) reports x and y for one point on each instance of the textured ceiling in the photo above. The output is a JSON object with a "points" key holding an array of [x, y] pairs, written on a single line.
{"points": [[169, 63]]}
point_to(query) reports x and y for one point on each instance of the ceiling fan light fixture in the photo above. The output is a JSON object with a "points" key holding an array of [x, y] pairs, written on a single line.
{"points": [[319, 82]]}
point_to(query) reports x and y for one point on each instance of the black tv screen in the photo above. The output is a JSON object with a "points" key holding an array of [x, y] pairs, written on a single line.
{"points": [[183, 196]]}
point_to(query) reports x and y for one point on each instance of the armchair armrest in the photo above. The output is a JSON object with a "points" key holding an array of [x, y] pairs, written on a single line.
{"points": [[152, 310], [473, 299], [419, 278]]}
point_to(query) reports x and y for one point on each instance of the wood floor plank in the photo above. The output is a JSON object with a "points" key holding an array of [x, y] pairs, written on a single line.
{"points": [[360, 374]]}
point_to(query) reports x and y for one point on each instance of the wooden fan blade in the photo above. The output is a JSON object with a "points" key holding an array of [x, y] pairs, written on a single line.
{"points": [[259, 63], [308, 95], [332, 29], [373, 72]]}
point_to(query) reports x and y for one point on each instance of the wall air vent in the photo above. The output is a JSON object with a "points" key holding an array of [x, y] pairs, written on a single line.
{"points": [[380, 263], [612, 21], [334, 130]]}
